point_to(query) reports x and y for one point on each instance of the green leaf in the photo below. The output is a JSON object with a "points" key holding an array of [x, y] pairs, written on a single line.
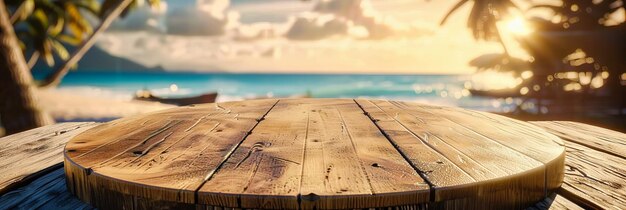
{"points": [[46, 51], [60, 50], [41, 18], [69, 39], [24, 10], [58, 27], [90, 6]]}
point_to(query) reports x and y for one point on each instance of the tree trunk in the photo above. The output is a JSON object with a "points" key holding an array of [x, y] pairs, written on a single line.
{"points": [[55, 78], [18, 109]]}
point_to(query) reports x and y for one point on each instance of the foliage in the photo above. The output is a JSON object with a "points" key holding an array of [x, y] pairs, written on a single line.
{"points": [[577, 52], [581, 14], [44, 27], [484, 15], [572, 14]]}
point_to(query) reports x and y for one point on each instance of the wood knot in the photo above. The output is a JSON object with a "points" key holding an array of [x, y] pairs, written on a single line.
{"points": [[261, 144], [89, 171]]}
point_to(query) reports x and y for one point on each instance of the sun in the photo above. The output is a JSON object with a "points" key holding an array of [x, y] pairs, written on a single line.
{"points": [[518, 26]]}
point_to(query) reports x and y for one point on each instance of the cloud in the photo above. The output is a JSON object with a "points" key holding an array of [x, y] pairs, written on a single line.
{"points": [[258, 31], [205, 18], [313, 26], [324, 19], [433, 54], [355, 18], [341, 36]]}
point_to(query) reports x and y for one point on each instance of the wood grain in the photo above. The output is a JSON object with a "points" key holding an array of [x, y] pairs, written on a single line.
{"points": [[593, 178], [26, 153], [170, 157], [601, 139], [594, 185], [314, 154], [45, 192], [469, 146], [326, 152]]}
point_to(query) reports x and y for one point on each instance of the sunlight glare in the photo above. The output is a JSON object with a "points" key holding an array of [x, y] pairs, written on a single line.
{"points": [[518, 26], [527, 74], [173, 87], [491, 80]]}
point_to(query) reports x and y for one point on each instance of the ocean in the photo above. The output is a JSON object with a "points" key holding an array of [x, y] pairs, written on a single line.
{"points": [[448, 90]]}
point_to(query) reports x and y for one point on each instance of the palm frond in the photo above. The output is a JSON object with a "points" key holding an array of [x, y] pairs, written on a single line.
{"points": [[451, 11], [22, 12]]}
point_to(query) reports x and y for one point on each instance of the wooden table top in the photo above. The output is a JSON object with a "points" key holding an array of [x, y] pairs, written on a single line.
{"points": [[314, 153]]}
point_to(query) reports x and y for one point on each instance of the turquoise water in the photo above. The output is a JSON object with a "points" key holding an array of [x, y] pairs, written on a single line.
{"points": [[434, 89]]}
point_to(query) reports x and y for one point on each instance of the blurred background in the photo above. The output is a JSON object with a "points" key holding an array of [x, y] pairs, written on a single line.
{"points": [[98, 60]]}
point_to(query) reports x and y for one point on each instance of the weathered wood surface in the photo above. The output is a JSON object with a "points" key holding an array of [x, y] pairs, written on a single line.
{"points": [[326, 151], [49, 190], [601, 139], [165, 156], [466, 152], [593, 178], [25, 154], [46, 192], [315, 153]]}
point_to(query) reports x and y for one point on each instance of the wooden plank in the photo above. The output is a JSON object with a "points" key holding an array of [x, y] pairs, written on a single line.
{"points": [[540, 145], [601, 139], [268, 162], [593, 179], [24, 154], [344, 136], [470, 145], [314, 154], [330, 157], [555, 202], [164, 156], [438, 170], [46, 192], [523, 137], [326, 151]]}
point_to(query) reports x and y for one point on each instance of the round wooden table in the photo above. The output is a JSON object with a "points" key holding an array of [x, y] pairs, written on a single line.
{"points": [[314, 154]]}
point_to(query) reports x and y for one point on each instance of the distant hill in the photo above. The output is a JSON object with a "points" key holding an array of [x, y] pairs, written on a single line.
{"points": [[97, 59]]}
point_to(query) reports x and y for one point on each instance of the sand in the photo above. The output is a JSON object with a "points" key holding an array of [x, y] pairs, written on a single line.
{"points": [[68, 106]]}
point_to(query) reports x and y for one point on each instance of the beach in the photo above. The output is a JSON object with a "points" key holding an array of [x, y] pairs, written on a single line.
{"points": [[66, 105]]}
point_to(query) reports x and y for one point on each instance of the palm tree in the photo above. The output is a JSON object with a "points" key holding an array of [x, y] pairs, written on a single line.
{"points": [[18, 108], [110, 11], [483, 18], [45, 26], [582, 26]]}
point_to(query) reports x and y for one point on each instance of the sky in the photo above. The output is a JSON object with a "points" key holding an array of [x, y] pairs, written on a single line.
{"points": [[292, 36]]}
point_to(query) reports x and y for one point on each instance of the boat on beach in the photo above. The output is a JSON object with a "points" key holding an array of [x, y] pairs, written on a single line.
{"points": [[145, 95], [500, 93]]}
